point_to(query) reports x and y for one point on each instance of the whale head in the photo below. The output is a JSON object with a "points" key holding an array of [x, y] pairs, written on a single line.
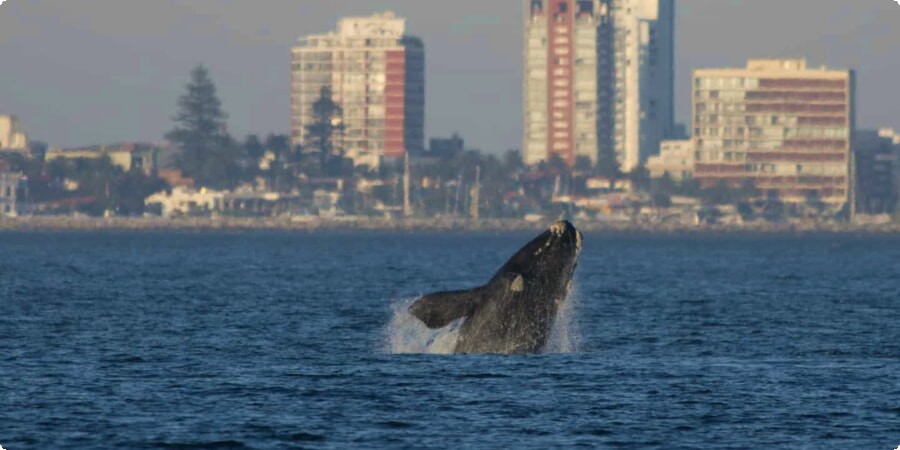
{"points": [[549, 259]]}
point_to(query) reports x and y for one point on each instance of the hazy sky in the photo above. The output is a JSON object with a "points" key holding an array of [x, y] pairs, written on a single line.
{"points": [[92, 71]]}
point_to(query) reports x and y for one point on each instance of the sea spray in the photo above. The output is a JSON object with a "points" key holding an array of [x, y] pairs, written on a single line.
{"points": [[407, 334], [565, 337]]}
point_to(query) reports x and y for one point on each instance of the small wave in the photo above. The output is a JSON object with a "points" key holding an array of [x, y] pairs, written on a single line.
{"points": [[596, 432], [215, 445], [124, 359], [306, 437], [482, 376], [396, 424]]}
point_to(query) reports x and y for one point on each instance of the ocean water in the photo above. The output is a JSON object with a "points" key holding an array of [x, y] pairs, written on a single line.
{"points": [[281, 340]]}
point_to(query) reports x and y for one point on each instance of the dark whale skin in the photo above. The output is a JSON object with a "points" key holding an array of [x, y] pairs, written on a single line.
{"points": [[514, 312]]}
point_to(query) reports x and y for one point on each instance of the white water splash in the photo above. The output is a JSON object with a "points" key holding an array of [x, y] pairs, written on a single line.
{"points": [[565, 337], [407, 334]]}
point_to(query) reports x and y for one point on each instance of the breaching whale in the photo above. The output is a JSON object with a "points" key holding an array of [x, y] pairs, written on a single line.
{"points": [[514, 312]]}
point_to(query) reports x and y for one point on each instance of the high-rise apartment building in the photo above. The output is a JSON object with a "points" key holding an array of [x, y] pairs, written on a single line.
{"points": [[598, 76], [779, 124], [637, 72], [377, 76], [561, 79]]}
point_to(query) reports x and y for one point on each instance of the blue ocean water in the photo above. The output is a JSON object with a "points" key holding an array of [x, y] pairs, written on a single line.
{"points": [[281, 340]]}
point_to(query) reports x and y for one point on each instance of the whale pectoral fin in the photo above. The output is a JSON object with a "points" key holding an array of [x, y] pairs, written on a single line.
{"points": [[439, 309]]}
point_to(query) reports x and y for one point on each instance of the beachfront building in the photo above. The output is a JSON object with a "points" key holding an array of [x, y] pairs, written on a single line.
{"points": [[12, 138], [376, 74], [185, 201], [561, 92], [130, 156], [637, 72], [13, 191], [676, 158], [783, 126], [877, 157]]}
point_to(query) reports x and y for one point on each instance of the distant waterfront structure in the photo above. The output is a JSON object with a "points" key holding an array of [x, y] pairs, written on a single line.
{"points": [[676, 158], [637, 73], [447, 148], [12, 138], [130, 156], [377, 76], [598, 76], [186, 201], [561, 92], [13, 192], [877, 158], [783, 126]]}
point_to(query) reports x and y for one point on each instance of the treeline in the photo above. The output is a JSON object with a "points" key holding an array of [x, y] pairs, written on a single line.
{"points": [[207, 153], [92, 186]]}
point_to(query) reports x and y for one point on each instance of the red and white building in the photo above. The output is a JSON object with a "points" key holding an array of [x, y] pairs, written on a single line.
{"points": [[377, 76], [786, 127], [561, 96], [598, 76]]}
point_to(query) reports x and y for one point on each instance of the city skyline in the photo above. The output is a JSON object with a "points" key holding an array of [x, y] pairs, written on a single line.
{"points": [[125, 86]]}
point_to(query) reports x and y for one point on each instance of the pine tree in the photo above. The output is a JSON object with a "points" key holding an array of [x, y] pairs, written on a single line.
{"points": [[326, 123], [208, 154]]}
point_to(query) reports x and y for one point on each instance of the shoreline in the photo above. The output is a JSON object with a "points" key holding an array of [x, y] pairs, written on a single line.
{"points": [[151, 224]]}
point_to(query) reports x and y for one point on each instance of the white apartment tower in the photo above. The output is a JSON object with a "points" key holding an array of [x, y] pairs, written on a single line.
{"points": [[637, 72]]}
